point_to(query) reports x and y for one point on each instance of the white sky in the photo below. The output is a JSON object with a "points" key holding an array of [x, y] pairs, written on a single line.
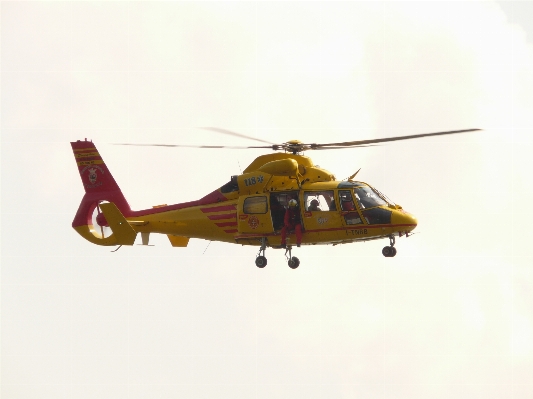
{"points": [[449, 317]]}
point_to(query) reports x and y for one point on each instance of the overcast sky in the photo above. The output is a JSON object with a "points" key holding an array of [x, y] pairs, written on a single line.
{"points": [[449, 317]]}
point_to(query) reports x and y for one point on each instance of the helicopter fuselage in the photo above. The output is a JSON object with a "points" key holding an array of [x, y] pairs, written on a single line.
{"points": [[250, 217], [248, 210]]}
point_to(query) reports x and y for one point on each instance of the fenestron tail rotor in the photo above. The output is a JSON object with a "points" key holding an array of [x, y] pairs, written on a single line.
{"points": [[100, 227], [295, 146]]}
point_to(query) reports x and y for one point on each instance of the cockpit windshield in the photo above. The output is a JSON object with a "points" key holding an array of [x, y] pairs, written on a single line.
{"points": [[367, 198]]}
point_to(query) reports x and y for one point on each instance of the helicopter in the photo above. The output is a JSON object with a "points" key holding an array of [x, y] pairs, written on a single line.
{"points": [[251, 207]]}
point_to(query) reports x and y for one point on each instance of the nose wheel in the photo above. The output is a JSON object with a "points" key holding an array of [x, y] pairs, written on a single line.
{"points": [[389, 251]]}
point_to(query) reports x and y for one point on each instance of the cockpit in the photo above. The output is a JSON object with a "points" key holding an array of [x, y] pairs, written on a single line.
{"points": [[368, 198], [369, 201]]}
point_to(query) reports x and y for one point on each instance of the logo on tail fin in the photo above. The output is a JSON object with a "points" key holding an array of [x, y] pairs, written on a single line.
{"points": [[92, 175]]}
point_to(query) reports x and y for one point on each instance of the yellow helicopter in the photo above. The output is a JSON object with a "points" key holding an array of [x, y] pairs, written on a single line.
{"points": [[280, 199]]}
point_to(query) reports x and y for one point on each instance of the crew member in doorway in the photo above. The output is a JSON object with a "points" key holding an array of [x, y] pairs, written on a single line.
{"points": [[292, 222], [313, 207]]}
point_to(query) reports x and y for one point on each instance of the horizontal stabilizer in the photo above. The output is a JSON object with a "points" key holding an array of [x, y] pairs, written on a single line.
{"points": [[178, 241], [118, 223]]}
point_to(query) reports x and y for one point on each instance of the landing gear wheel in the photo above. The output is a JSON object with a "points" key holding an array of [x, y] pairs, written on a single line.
{"points": [[260, 262], [387, 251], [294, 262]]}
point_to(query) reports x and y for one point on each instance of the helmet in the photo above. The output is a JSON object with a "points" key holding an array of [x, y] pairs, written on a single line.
{"points": [[293, 203], [314, 202]]}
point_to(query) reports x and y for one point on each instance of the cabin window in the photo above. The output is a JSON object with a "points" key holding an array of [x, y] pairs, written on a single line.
{"points": [[367, 198], [317, 201], [255, 205]]}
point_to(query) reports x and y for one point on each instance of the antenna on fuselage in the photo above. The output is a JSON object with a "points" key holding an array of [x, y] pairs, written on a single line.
{"points": [[207, 247], [352, 176]]}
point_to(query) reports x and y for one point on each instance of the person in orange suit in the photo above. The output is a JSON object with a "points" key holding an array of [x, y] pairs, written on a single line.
{"points": [[292, 221]]}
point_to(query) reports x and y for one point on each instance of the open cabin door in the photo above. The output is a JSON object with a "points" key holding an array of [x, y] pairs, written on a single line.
{"points": [[253, 213], [279, 202]]}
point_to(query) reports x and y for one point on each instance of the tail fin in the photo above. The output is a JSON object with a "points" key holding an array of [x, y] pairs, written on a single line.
{"points": [[94, 173], [100, 186]]}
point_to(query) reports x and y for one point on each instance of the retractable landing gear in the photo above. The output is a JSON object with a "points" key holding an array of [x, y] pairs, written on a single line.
{"points": [[390, 251], [293, 261], [261, 261]]}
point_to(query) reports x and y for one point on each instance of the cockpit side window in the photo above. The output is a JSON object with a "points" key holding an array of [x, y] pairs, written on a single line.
{"points": [[346, 200], [351, 216], [319, 201], [367, 198]]}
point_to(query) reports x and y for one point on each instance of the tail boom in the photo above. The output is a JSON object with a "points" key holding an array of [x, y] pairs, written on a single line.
{"points": [[104, 208]]}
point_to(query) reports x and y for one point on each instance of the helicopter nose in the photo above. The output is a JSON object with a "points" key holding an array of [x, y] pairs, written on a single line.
{"points": [[413, 221], [406, 220], [410, 220]]}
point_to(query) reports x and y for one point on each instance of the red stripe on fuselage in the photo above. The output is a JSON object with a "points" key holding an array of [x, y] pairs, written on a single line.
{"points": [[223, 216], [355, 227], [219, 209], [360, 226], [225, 224]]}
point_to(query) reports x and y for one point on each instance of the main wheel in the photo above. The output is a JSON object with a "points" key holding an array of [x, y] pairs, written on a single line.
{"points": [[260, 261], [393, 252], [388, 251], [294, 262]]}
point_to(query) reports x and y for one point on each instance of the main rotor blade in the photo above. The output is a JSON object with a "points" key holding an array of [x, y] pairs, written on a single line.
{"points": [[230, 133], [384, 140], [192, 146], [291, 147], [323, 146]]}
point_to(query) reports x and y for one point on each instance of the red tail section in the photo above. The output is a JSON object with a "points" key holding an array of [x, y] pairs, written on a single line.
{"points": [[97, 181]]}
